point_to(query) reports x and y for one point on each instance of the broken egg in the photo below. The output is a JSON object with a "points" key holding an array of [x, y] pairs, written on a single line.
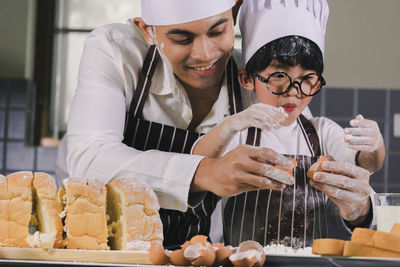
{"points": [[249, 253], [200, 254], [157, 254], [222, 254]]}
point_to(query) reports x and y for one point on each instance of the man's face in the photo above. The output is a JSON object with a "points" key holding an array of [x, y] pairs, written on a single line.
{"points": [[293, 101], [198, 51]]}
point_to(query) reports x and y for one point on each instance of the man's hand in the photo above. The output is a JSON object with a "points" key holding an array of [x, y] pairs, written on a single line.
{"points": [[243, 169], [347, 186], [364, 136]]}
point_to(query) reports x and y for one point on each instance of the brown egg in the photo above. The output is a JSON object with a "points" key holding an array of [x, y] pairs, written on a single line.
{"points": [[207, 257], [176, 258], [157, 255], [222, 254], [249, 253]]}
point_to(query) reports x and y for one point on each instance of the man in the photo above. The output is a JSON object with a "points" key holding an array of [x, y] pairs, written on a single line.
{"points": [[146, 91]]}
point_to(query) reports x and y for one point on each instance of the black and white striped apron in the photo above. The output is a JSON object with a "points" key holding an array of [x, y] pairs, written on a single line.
{"points": [[144, 135], [292, 217]]}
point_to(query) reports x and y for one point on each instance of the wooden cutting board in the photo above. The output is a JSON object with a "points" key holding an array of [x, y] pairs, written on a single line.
{"points": [[75, 255]]}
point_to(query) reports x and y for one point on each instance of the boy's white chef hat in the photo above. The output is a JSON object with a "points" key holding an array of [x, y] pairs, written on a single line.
{"points": [[170, 12], [262, 21]]}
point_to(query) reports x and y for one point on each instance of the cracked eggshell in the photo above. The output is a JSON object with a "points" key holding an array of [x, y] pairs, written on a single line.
{"points": [[176, 258], [186, 244], [222, 254], [200, 255], [157, 255], [249, 253]]}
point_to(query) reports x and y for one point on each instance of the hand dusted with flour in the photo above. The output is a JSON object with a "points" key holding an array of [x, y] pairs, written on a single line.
{"points": [[348, 186], [366, 138]]}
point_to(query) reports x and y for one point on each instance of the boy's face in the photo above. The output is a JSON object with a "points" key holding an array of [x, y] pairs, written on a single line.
{"points": [[293, 101]]}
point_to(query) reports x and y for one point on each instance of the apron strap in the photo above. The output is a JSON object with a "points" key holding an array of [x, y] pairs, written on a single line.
{"points": [[253, 136], [140, 95], [235, 97], [144, 82], [310, 134]]}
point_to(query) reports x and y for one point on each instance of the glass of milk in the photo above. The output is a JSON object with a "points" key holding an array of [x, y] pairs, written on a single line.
{"points": [[387, 207]]}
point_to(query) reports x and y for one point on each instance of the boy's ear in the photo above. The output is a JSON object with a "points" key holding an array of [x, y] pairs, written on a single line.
{"points": [[245, 80], [144, 29]]}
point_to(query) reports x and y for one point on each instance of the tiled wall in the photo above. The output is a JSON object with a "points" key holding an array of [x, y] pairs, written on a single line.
{"points": [[343, 104], [14, 154], [339, 104]]}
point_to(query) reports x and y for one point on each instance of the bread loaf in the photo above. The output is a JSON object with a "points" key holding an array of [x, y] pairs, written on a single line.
{"points": [[360, 250], [328, 246], [17, 207], [134, 221], [30, 201], [47, 209], [85, 214], [316, 167], [4, 212]]}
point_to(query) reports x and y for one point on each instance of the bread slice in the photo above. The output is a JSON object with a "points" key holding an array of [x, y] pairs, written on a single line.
{"points": [[363, 236], [396, 229], [85, 214], [289, 171], [360, 250], [328, 246], [316, 167], [19, 185], [387, 241], [47, 209], [134, 221], [378, 239]]}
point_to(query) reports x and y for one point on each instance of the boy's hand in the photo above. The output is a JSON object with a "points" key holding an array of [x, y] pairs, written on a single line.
{"points": [[364, 136], [347, 185], [258, 115]]}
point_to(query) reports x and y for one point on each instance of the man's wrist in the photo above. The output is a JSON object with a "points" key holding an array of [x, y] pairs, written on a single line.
{"points": [[199, 182]]}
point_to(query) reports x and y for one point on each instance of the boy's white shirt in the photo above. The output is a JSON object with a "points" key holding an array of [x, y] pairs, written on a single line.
{"points": [[290, 140]]}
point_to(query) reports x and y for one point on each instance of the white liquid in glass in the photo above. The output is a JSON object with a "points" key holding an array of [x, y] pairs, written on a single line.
{"points": [[386, 216]]}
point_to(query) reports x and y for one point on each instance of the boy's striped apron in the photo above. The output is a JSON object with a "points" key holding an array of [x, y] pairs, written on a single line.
{"points": [[292, 217]]}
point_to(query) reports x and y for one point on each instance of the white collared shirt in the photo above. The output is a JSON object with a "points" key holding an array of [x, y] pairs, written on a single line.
{"points": [[112, 58]]}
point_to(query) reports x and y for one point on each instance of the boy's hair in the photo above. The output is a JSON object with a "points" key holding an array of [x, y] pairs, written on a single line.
{"points": [[289, 50]]}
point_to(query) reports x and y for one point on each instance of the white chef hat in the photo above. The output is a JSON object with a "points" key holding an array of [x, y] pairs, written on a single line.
{"points": [[170, 12], [262, 21]]}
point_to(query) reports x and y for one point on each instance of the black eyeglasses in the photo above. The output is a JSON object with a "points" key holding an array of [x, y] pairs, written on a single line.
{"points": [[280, 83]]}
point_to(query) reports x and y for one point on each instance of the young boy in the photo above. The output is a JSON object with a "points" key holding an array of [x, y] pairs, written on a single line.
{"points": [[283, 45]]}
